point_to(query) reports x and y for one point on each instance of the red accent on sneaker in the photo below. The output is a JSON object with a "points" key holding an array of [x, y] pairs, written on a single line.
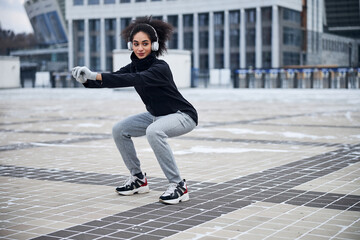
{"points": [[145, 184]]}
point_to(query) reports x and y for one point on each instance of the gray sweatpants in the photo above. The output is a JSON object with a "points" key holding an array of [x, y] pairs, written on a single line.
{"points": [[157, 130]]}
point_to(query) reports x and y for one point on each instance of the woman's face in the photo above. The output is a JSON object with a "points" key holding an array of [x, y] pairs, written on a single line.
{"points": [[141, 45]]}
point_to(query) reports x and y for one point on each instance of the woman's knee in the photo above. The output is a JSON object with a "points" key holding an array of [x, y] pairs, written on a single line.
{"points": [[118, 129], [153, 134]]}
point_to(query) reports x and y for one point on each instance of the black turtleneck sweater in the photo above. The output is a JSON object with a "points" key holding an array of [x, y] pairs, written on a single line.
{"points": [[153, 81]]}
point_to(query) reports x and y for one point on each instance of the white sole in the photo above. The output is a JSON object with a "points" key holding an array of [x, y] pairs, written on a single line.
{"points": [[139, 190], [183, 198]]}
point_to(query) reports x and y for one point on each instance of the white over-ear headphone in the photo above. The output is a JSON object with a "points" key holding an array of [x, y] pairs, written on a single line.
{"points": [[154, 45]]}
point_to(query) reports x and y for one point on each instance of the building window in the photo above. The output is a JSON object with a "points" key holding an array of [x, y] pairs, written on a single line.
{"points": [[250, 59], [78, 38], [110, 41], [110, 24], [234, 31], [234, 18], [188, 40], [94, 43], [291, 15], [81, 44], [94, 37], [219, 38], [109, 1], [291, 36], [124, 22], [219, 60], [188, 20], [204, 61], [173, 42], [188, 23], [157, 17], [95, 63], [266, 36], [203, 20], [234, 38], [234, 60], [266, 59], [94, 25], [93, 2], [219, 19], [140, 0], [173, 20], [78, 2], [291, 58], [204, 40], [250, 37], [266, 14], [219, 30], [250, 15], [125, 1]]}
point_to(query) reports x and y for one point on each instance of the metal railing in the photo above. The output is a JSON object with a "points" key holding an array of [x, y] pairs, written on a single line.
{"points": [[297, 78]]}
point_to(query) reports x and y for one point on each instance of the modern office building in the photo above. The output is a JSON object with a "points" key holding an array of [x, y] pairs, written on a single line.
{"points": [[342, 18], [228, 34], [47, 18]]}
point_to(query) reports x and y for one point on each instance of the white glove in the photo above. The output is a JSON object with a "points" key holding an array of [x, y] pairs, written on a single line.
{"points": [[74, 73], [82, 74]]}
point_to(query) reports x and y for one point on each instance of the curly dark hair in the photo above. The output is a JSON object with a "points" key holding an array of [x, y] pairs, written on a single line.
{"points": [[163, 30]]}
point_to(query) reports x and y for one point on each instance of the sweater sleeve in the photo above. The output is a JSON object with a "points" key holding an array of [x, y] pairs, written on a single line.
{"points": [[156, 75]]}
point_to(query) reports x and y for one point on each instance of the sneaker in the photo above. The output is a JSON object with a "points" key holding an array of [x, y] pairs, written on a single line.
{"points": [[133, 185], [176, 192]]}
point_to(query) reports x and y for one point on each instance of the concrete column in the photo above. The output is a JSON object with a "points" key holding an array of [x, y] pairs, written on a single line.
{"points": [[102, 45], [226, 40], [86, 43], [275, 41], [70, 44], [180, 32], [242, 39], [196, 41], [258, 41], [211, 41], [118, 33]]}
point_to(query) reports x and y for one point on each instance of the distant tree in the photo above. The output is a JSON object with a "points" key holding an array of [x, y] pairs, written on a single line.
{"points": [[9, 41]]}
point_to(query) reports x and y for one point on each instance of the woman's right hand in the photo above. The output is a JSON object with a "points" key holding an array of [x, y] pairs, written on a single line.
{"points": [[76, 74]]}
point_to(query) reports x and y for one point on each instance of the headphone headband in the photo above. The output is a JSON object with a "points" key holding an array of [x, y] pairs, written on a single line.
{"points": [[154, 45]]}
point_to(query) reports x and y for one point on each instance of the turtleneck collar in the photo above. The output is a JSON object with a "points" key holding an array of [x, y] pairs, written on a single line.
{"points": [[142, 64]]}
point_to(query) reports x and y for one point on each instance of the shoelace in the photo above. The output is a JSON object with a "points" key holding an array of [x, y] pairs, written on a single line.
{"points": [[170, 189], [130, 180]]}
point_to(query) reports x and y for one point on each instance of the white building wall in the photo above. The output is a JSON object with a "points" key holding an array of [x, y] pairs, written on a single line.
{"points": [[335, 50], [10, 71]]}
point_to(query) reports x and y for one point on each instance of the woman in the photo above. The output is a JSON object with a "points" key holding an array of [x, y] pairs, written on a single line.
{"points": [[168, 114]]}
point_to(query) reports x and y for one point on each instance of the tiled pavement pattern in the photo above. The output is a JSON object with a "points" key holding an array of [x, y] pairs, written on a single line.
{"points": [[269, 164]]}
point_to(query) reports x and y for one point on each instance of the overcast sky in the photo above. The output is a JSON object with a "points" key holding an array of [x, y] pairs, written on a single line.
{"points": [[13, 16]]}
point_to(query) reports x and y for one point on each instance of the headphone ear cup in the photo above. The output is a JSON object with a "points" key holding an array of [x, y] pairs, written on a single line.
{"points": [[155, 46], [130, 46]]}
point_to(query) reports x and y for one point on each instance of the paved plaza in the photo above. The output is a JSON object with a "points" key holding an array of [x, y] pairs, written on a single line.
{"points": [[262, 164]]}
